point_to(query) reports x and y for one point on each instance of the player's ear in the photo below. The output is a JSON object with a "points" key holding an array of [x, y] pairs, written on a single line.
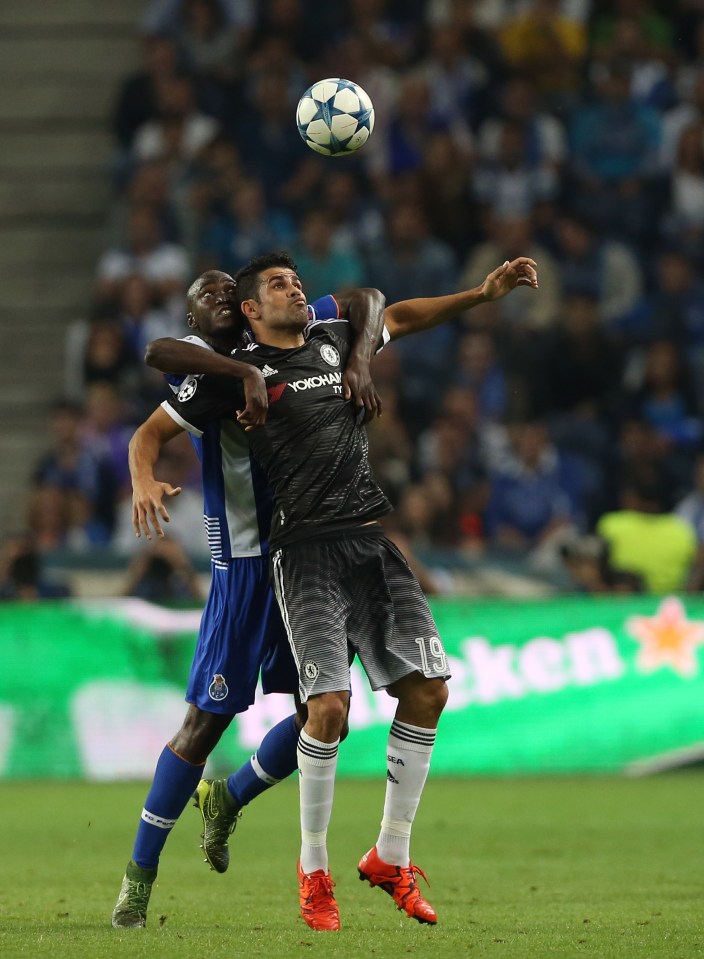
{"points": [[190, 320], [250, 309]]}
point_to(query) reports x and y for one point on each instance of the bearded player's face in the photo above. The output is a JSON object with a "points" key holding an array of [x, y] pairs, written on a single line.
{"points": [[282, 303]]}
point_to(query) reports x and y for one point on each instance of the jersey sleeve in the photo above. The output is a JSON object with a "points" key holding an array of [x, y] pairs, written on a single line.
{"points": [[201, 400], [327, 308], [324, 308]]}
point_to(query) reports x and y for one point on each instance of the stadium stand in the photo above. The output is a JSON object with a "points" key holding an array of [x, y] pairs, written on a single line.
{"points": [[61, 64], [148, 142]]}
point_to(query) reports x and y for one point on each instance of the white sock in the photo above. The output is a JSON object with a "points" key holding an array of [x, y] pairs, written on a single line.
{"points": [[408, 757], [317, 763]]}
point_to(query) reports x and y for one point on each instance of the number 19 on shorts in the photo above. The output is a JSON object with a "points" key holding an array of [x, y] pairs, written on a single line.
{"points": [[432, 655]]}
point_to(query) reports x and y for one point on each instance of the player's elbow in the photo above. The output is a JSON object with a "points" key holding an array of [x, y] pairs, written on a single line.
{"points": [[135, 440], [156, 353], [375, 297], [366, 297]]}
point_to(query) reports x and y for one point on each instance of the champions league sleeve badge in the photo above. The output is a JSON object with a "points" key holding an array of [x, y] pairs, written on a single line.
{"points": [[188, 389], [218, 688]]}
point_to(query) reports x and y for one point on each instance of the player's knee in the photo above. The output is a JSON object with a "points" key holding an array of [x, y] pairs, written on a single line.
{"points": [[199, 734], [327, 716], [301, 715], [428, 699], [438, 695], [344, 732], [334, 713]]}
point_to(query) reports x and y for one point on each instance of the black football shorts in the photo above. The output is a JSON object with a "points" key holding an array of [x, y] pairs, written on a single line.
{"points": [[354, 594]]}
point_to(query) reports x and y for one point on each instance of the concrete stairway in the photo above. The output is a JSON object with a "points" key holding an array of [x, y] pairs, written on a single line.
{"points": [[62, 64]]}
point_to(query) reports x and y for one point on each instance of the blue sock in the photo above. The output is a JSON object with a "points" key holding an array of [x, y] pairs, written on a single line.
{"points": [[174, 783], [273, 761]]}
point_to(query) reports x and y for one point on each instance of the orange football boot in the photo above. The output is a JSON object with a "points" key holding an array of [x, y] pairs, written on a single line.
{"points": [[318, 905], [400, 883]]}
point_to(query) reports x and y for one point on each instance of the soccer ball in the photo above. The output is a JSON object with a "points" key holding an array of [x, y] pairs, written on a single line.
{"points": [[335, 117]]}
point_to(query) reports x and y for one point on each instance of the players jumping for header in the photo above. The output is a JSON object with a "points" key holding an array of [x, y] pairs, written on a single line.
{"points": [[328, 546], [241, 634]]}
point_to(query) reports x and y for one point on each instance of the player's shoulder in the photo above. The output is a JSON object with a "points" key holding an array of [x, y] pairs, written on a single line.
{"points": [[177, 380], [325, 319], [252, 352], [247, 352], [196, 341]]}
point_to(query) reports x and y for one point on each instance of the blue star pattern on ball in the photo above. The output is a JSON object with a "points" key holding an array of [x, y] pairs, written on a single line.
{"points": [[335, 117]]}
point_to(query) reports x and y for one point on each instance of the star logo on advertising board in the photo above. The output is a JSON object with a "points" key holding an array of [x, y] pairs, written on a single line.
{"points": [[667, 639]]}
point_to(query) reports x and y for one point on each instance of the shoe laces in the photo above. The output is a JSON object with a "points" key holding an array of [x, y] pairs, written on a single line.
{"points": [[417, 871], [138, 893], [316, 888], [406, 888]]}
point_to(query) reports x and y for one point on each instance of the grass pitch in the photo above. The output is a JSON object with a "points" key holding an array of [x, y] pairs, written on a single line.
{"points": [[539, 867]]}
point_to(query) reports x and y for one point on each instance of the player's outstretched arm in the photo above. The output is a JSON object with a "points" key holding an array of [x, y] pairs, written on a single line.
{"points": [[364, 308], [147, 492], [413, 316], [177, 356]]}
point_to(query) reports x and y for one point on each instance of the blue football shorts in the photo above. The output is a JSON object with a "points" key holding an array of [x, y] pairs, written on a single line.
{"points": [[241, 634]]}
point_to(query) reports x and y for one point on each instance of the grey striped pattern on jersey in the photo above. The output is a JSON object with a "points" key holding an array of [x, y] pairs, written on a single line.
{"points": [[354, 595]]}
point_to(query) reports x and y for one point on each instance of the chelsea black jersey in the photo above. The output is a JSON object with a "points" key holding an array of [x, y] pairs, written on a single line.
{"points": [[311, 448]]}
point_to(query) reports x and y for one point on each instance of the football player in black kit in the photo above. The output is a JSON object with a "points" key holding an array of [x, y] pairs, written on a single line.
{"points": [[343, 588]]}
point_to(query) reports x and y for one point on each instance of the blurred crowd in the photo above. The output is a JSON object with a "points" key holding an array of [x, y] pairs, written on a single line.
{"points": [[559, 430]]}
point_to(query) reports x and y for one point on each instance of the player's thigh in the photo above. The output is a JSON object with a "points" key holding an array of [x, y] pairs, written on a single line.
{"points": [[234, 637], [414, 626], [392, 628], [315, 611], [279, 670]]}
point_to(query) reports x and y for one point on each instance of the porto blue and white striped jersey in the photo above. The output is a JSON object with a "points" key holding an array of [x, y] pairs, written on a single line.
{"points": [[237, 499]]}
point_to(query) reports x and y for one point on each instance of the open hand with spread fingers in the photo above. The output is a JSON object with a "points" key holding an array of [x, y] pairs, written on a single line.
{"points": [[148, 510]]}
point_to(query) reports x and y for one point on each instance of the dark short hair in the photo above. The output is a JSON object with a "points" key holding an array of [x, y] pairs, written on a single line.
{"points": [[247, 279]]}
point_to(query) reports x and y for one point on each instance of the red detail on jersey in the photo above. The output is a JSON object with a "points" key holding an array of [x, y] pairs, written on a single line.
{"points": [[276, 392]]}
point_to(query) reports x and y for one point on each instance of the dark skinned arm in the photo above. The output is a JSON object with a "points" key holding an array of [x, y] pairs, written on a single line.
{"points": [[175, 356], [364, 309], [414, 316]]}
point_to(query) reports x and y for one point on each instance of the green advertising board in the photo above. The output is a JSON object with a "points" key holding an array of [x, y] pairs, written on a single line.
{"points": [[563, 685]]}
